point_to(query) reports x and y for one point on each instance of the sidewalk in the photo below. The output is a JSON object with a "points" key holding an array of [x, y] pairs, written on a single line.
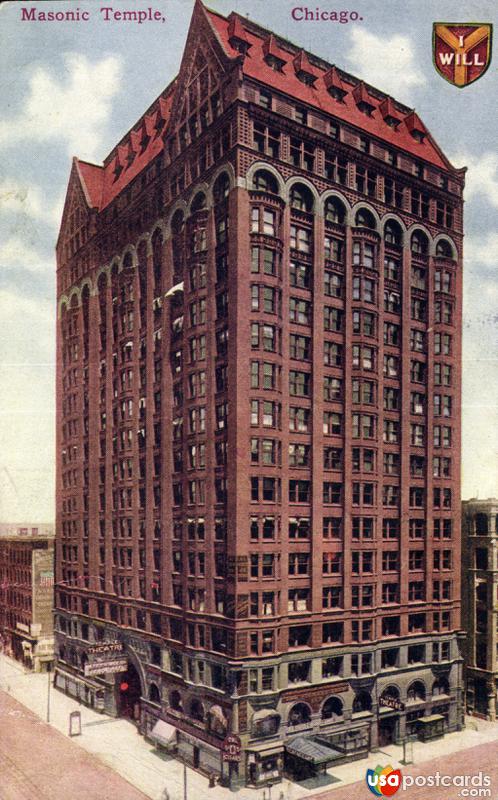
{"points": [[118, 745], [39, 763]]}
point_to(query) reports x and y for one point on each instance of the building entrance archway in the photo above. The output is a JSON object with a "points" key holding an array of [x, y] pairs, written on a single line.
{"points": [[129, 690]]}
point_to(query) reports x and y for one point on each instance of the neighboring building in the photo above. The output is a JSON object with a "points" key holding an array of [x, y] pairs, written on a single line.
{"points": [[480, 604], [258, 447], [27, 529], [27, 593]]}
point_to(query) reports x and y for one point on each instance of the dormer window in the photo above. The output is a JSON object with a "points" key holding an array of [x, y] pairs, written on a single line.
{"points": [[306, 77], [237, 35], [334, 84], [274, 63], [240, 45], [271, 53], [390, 113], [416, 127], [365, 108], [336, 93], [303, 68], [363, 99]]}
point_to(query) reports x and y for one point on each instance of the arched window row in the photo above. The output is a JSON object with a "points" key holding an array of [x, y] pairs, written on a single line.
{"points": [[336, 210]]}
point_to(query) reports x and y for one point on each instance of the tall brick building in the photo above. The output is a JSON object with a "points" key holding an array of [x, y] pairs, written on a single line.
{"points": [[259, 412]]}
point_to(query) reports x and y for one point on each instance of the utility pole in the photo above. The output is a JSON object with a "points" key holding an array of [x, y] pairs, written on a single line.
{"points": [[49, 668], [184, 779]]}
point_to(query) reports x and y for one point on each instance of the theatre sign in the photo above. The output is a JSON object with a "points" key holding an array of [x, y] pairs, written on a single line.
{"points": [[106, 657]]}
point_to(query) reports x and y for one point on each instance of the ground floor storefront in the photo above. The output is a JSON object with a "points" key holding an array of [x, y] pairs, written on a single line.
{"points": [[482, 694]]}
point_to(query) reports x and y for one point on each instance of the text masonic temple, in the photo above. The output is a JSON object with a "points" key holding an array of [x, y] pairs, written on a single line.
{"points": [[259, 336]]}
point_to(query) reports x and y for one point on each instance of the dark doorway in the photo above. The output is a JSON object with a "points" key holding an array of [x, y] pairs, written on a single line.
{"points": [[196, 757], [129, 694], [387, 731], [480, 696]]}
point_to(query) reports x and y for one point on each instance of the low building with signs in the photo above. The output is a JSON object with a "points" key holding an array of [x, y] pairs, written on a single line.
{"points": [[480, 605], [27, 594]]}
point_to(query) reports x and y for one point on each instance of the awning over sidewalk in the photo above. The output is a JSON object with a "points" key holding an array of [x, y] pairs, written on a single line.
{"points": [[163, 732], [431, 719], [312, 751]]}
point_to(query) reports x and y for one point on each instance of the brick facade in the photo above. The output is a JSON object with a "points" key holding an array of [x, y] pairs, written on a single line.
{"points": [[259, 375]]}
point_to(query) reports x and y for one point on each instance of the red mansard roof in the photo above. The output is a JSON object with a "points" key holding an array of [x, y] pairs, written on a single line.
{"points": [[287, 81], [144, 142], [135, 151]]}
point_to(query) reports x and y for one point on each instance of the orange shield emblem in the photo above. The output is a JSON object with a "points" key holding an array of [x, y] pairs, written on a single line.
{"points": [[461, 50]]}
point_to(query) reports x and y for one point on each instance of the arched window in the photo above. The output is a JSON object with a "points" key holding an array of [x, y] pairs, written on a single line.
{"points": [[128, 261], [389, 695], [332, 709], [393, 233], [221, 188], [299, 714], [157, 259], [198, 203], [440, 686], [301, 198], [154, 695], [365, 219], [335, 211], [443, 248], [197, 710], [175, 700], [419, 243], [264, 181], [362, 702], [177, 222], [415, 692]]}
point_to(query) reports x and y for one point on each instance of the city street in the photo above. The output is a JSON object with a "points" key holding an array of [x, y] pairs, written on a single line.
{"points": [[38, 763], [123, 753], [483, 758]]}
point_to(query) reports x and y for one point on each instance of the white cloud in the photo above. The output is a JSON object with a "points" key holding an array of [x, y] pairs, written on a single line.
{"points": [[23, 199], [482, 250], [27, 405], [482, 176], [388, 63], [16, 252], [73, 109]]}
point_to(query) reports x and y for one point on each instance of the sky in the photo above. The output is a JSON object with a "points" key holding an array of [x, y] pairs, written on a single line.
{"points": [[74, 88]]}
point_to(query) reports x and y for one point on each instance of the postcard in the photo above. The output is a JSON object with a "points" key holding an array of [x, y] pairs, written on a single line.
{"points": [[248, 371]]}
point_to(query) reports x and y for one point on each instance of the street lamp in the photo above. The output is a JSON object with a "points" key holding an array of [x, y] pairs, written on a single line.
{"points": [[49, 672]]}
